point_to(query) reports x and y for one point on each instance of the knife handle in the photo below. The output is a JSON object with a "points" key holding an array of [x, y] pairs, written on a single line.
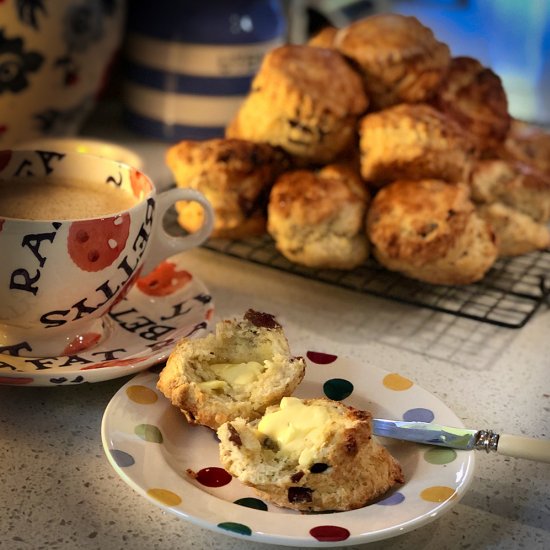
{"points": [[524, 447]]}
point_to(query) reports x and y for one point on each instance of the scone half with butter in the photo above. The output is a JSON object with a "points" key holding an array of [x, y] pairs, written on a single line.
{"points": [[310, 455], [237, 371]]}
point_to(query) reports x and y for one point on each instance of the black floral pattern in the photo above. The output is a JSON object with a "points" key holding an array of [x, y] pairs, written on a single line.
{"points": [[15, 64], [56, 122], [28, 11], [83, 25]]}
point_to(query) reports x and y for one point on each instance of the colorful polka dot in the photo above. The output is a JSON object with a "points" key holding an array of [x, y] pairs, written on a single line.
{"points": [[148, 432], [213, 477], [439, 456], [418, 415], [321, 358], [141, 395], [329, 533], [250, 502], [437, 493], [392, 500], [235, 528], [122, 459], [338, 388], [397, 382], [165, 496]]}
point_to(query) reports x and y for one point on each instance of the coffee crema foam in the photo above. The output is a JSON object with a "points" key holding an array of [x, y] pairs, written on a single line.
{"points": [[61, 199]]}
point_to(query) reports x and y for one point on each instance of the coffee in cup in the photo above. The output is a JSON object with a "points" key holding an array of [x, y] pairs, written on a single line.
{"points": [[69, 255]]}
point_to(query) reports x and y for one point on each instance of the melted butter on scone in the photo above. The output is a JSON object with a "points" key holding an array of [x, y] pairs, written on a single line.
{"points": [[235, 374], [300, 430]]}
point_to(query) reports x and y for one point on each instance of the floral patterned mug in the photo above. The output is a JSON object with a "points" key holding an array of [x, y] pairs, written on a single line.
{"points": [[55, 57], [67, 261]]}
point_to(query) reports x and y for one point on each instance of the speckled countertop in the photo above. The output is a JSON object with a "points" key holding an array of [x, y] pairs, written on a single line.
{"points": [[58, 490]]}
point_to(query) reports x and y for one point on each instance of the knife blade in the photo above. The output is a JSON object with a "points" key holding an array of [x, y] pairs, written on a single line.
{"points": [[464, 438]]}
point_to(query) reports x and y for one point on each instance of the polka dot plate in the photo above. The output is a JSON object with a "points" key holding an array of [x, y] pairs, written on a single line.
{"points": [[175, 466], [167, 304]]}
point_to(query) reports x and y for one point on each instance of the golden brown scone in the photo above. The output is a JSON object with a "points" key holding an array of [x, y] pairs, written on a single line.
{"points": [[234, 175], [473, 95], [317, 218], [413, 142], [238, 371], [529, 144], [324, 38], [516, 233], [429, 230], [514, 184], [304, 99], [400, 59], [325, 459]]}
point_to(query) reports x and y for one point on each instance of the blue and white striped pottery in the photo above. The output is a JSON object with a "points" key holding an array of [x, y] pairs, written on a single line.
{"points": [[189, 64]]}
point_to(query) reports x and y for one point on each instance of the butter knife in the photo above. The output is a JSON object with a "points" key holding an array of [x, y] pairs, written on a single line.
{"points": [[464, 439]]}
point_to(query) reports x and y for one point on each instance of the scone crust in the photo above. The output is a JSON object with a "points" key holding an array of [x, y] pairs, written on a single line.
{"points": [[513, 183], [234, 175], [413, 142], [529, 144], [429, 230], [474, 96], [399, 58], [316, 218], [516, 233], [233, 342], [304, 99], [359, 469]]}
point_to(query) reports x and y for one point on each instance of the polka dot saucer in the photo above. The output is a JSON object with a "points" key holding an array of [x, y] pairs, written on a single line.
{"points": [[175, 466], [162, 307]]}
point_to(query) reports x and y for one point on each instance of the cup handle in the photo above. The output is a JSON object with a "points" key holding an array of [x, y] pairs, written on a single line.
{"points": [[164, 245]]}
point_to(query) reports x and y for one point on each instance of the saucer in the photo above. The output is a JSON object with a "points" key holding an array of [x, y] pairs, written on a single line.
{"points": [[161, 308]]}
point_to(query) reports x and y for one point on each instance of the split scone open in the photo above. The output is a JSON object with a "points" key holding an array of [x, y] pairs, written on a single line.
{"points": [[309, 455], [238, 371]]}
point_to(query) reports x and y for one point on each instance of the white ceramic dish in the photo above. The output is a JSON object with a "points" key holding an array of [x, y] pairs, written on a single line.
{"points": [[151, 446], [87, 146], [141, 331]]}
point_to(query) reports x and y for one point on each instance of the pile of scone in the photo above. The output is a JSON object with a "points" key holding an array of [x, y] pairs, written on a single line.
{"points": [[373, 138], [304, 454]]}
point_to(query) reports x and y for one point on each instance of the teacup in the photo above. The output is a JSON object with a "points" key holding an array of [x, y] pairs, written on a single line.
{"points": [[75, 233]]}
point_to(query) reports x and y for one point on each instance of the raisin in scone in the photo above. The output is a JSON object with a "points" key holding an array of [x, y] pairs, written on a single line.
{"points": [[238, 371], [310, 455]]}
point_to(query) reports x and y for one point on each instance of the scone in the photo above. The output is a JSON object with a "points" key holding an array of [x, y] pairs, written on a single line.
{"points": [[413, 142], [312, 455], [429, 230], [317, 218], [304, 99], [516, 233], [400, 59], [238, 371], [474, 96], [324, 38], [530, 144], [234, 175], [513, 183]]}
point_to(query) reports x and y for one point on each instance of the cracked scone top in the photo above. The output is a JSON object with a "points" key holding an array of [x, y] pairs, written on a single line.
{"points": [[238, 371], [309, 455]]}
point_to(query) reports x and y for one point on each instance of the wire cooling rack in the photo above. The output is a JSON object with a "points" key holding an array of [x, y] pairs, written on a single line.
{"points": [[508, 296]]}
